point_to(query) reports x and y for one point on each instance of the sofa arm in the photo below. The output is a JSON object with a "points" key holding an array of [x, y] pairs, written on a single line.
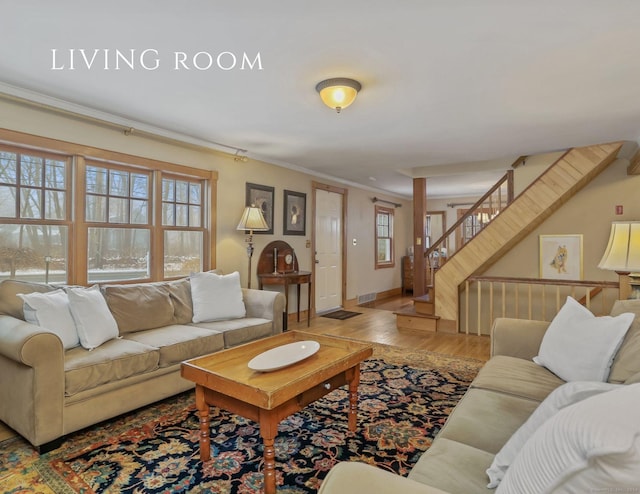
{"points": [[31, 380], [266, 305], [517, 337], [348, 477]]}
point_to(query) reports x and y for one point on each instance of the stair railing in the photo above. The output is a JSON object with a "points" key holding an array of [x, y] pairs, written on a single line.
{"points": [[481, 213], [486, 297]]}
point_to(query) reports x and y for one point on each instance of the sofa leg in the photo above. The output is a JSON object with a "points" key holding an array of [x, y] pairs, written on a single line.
{"points": [[50, 446]]}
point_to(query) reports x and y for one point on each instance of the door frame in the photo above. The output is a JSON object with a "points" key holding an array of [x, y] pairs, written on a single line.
{"points": [[344, 194]]}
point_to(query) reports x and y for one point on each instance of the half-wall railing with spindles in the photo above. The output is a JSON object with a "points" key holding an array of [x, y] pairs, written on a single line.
{"points": [[470, 224], [483, 298]]}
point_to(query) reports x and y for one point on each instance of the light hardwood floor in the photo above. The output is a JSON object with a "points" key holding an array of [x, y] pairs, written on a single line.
{"points": [[377, 323]]}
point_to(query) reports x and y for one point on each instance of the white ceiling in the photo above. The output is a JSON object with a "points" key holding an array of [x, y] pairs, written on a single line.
{"points": [[444, 82]]}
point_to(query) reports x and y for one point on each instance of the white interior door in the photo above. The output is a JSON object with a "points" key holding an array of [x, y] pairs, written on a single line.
{"points": [[328, 273]]}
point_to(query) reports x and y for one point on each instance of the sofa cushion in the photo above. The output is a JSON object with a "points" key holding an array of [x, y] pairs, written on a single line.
{"points": [[178, 342], [94, 322], [10, 303], [486, 419], [180, 293], [591, 446], [517, 377], [239, 331], [579, 346], [139, 307], [114, 360], [627, 361], [51, 310], [453, 467], [561, 397], [216, 297]]}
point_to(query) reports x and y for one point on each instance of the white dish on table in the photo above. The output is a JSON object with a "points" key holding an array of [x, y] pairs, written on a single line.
{"points": [[283, 356]]}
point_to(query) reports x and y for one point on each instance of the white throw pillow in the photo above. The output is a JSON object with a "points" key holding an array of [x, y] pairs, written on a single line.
{"points": [[559, 398], [579, 346], [216, 297], [591, 446], [51, 310], [94, 321]]}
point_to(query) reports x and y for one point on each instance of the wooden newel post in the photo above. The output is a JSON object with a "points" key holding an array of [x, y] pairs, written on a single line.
{"points": [[419, 225]]}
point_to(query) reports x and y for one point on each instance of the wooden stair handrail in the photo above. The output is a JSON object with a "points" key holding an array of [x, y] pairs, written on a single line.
{"points": [[546, 281], [508, 177]]}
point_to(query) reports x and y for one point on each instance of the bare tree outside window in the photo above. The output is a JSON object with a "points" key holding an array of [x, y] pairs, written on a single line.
{"points": [[182, 220], [117, 196], [135, 221], [33, 205]]}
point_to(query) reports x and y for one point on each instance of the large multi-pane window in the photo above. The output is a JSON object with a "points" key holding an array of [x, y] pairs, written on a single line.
{"points": [[182, 222], [34, 215], [80, 219], [119, 226], [384, 237]]}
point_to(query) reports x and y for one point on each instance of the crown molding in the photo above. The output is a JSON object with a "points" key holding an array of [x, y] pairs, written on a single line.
{"points": [[37, 99]]}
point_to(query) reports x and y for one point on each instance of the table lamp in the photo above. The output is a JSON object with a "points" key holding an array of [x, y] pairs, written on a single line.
{"points": [[252, 220], [622, 254]]}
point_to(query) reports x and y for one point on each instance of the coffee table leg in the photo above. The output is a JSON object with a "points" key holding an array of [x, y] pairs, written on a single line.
{"points": [[268, 431], [353, 376], [203, 412]]}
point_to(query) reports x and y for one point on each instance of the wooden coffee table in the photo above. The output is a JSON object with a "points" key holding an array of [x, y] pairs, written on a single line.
{"points": [[223, 379]]}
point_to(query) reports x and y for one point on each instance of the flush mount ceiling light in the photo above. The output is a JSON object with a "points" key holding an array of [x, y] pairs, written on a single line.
{"points": [[339, 92]]}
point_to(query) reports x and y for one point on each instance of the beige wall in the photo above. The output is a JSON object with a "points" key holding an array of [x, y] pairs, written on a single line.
{"points": [[590, 213], [232, 177]]}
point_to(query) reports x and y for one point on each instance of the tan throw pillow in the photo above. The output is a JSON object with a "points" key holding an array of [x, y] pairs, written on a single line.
{"points": [[180, 293], [627, 361], [139, 307]]}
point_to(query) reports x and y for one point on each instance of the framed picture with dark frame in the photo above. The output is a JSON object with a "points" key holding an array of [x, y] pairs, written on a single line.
{"points": [[295, 213], [262, 197]]}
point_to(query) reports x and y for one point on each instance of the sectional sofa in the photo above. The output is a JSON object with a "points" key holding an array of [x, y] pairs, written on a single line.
{"points": [[584, 435], [47, 391]]}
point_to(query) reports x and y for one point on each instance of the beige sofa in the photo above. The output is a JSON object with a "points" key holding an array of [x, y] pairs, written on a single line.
{"points": [[506, 391], [47, 392]]}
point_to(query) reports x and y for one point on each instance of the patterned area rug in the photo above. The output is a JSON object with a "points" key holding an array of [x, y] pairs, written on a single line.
{"points": [[405, 397]]}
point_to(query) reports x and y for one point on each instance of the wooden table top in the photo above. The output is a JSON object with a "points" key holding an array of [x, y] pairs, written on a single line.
{"points": [[227, 371]]}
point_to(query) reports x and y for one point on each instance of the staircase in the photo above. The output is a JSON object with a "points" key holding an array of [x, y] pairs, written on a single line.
{"points": [[438, 310]]}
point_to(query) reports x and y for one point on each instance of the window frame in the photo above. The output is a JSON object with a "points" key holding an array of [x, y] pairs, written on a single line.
{"points": [[78, 158], [43, 221], [389, 213], [188, 228]]}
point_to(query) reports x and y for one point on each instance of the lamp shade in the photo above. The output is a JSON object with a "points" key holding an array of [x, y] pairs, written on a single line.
{"points": [[623, 251], [338, 93], [252, 219]]}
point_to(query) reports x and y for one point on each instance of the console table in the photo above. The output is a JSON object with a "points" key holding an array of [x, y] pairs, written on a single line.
{"points": [[269, 275]]}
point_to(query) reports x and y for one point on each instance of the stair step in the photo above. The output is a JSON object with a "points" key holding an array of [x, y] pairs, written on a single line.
{"points": [[424, 304], [411, 319]]}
